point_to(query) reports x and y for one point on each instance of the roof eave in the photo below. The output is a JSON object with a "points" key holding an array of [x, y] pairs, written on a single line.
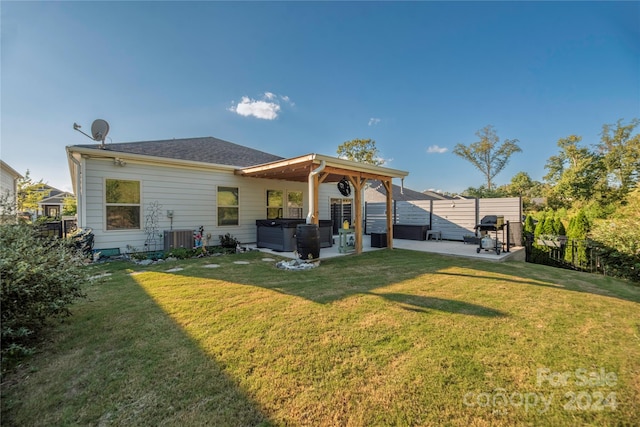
{"points": [[107, 154], [329, 161]]}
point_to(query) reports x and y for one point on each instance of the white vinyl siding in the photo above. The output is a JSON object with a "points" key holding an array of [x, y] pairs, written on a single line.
{"points": [[190, 193]]}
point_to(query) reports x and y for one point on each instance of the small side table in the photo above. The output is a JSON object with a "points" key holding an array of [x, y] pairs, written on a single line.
{"points": [[347, 240]]}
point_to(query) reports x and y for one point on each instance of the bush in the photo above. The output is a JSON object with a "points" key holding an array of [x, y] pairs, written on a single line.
{"points": [[40, 278], [228, 241], [618, 239], [183, 253]]}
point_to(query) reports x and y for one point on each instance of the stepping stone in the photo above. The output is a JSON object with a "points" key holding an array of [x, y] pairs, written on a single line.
{"points": [[211, 265], [241, 262], [268, 259], [171, 270]]}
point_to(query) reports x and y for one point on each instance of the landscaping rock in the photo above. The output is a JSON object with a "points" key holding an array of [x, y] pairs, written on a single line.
{"points": [[297, 264]]}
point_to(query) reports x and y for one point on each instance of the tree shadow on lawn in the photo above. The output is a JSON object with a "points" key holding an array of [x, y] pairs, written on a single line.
{"points": [[337, 279], [556, 278], [128, 362], [342, 277], [422, 304]]}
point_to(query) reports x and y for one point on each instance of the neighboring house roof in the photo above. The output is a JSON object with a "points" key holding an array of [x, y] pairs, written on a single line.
{"points": [[377, 193], [206, 149], [437, 196], [55, 199], [11, 171]]}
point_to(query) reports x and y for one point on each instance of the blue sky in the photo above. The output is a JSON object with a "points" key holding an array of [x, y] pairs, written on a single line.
{"points": [[292, 78]]}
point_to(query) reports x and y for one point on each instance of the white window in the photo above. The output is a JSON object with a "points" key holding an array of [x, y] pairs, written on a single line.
{"points": [[122, 204], [274, 204], [228, 206]]}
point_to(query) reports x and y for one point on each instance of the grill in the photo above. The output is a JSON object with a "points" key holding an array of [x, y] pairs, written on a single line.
{"points": [[490, 223]]}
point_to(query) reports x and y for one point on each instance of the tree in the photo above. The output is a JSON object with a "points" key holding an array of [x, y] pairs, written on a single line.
{"points": [[559, 227], [575, 174], [578, 231], [529, 226], [619, 238], [30, 193], [548, 225], [539, 226], [69, 206], [360, 150], [521, 184], [486, 155], [482, 192], [621, 154]]}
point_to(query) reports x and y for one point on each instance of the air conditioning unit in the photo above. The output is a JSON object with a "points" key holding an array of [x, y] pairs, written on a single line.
{"points": [[174, 239]]}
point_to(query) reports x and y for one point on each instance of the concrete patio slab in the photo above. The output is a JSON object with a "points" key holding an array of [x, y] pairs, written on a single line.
{"points": [[444, 247]]}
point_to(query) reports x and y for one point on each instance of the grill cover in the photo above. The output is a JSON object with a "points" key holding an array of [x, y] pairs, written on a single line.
{"points": [[491, 223]]}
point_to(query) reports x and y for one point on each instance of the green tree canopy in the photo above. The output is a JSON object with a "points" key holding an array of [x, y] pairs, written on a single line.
{"points": [[488, 155], [30, 193], [360, 150], [575, 174], [69, 206], [621, 154]]}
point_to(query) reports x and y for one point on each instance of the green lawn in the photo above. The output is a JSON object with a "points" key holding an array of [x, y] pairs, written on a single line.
{"points": [[384, 338]]}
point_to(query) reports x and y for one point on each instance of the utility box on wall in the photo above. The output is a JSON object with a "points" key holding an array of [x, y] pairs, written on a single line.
{"points": [[174, 239]]}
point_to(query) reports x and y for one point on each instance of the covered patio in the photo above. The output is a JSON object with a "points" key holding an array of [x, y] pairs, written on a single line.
{"points": [[317, 169]]}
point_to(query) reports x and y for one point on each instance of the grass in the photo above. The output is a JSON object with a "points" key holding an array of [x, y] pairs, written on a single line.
{"points": [[383, 338]]}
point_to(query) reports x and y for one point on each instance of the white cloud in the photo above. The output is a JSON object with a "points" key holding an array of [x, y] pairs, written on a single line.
{"points": [[373, 121], [266, 108], [437, 149], [288, 100]]}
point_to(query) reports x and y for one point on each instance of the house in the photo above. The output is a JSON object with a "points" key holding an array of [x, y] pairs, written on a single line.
{"points": [[52, 204], [8, 186], [130, 193]]}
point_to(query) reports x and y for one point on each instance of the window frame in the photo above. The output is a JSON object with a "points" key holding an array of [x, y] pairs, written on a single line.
{"points": [[221, 206], [109, 204], [280, 207], [300, 208]]}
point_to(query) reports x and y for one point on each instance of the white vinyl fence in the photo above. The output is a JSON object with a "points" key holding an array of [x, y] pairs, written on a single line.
{"points": [[453, 218]]}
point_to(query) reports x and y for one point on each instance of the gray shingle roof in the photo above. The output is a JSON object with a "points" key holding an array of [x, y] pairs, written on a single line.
{"points": [[206, 149]]}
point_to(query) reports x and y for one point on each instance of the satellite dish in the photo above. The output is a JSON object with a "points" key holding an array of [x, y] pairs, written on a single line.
{"points": [[99, 130]]}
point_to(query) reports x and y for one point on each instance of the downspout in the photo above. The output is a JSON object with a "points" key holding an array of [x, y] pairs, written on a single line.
{"points": [[79, 194], [312, 190]]}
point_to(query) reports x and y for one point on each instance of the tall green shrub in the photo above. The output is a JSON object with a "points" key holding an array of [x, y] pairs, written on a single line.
{"points": [[538, 230], [40, 278], [577, 234], [547, 226], [529, 227]]}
